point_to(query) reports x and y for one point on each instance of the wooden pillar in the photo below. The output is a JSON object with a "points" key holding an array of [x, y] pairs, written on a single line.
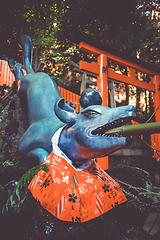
{"points": [[156, 81], [112, 95], [102, 87], [83, 83]]}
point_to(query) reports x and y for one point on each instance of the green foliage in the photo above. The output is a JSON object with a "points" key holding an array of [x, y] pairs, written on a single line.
{"points": [[121, 24], [136, 184], [8, 164], [131, 175], [25, 179], [55, 56], [142, 199]]}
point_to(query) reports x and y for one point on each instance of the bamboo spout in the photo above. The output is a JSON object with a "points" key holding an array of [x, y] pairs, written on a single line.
{"points": [[138, 129]]}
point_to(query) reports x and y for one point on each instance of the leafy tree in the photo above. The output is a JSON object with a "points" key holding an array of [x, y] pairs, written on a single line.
{"points": [[11, 25], [123, 25]]}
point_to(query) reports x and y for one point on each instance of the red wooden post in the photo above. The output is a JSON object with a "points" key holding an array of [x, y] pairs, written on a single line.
{"points": [[102, 79], [77, 103], [1, 82], [102, 87], [156, 81]]}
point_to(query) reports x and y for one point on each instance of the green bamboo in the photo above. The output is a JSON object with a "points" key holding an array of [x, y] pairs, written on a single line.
{"points": [[138, 129]]}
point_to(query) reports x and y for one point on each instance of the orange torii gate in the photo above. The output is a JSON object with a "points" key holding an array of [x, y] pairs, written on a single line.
{"points": [[104, 73]]}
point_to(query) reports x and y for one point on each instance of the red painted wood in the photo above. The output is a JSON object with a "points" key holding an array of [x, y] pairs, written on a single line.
{"points": [[96, 52], [102, 84], [89, 67], [131, 80]]}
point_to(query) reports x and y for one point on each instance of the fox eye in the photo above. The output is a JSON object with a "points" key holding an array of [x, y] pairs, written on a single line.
{"points": [[91, 113]]}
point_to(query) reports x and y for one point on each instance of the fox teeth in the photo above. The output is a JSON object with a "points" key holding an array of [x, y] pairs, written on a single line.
{"points": [[117, 123]]}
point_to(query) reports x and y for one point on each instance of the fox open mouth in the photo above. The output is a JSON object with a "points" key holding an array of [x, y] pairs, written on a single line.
{"points": [[101, 131]]}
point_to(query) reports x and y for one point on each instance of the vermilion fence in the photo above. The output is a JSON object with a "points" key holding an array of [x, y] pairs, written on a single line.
{"points": [[67, 95], [7, 78]]}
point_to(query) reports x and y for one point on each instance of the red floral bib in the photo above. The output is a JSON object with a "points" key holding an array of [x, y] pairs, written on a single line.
{"points": [[72, 195]]}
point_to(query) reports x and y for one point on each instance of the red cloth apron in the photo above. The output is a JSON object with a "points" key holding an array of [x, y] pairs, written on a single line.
{"points": [[72, 195]]}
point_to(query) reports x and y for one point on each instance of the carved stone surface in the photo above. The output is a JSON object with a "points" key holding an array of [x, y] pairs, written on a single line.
{"points": [[12, 126]]}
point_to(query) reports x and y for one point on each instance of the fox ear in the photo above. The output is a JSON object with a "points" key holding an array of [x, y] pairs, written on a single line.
{"points": [[65, 113]]}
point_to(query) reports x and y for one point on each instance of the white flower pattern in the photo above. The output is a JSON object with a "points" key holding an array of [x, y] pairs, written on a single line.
{"points": [[101, 194], [89, 180], [65, 179]]}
